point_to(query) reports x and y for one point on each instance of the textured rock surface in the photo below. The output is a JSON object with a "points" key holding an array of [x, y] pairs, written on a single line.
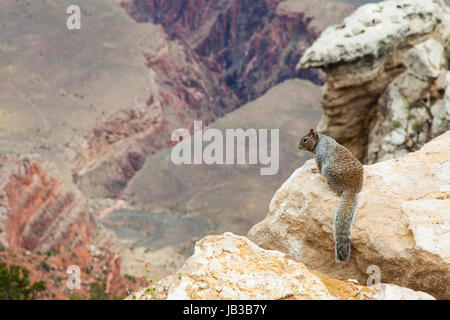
{"points": [[181, 89], [402, 223], [38, 215], [414, 107], [232, 267], [254, 43], [380, 61]]}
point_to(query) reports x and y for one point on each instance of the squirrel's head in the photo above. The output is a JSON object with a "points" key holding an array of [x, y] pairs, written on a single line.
{"points": [[309, 142]]}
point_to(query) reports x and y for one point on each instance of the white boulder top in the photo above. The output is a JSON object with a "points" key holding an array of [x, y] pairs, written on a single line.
{"points": [[373, 29]]}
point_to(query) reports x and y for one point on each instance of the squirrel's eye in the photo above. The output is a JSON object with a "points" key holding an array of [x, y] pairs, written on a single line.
{"points": [[305, 140]]}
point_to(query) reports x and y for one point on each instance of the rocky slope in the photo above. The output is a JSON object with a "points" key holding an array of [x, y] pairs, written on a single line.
{"points": [[181, 89], [387, 75], [121, 89], [402, 223], [46, 227], [232, 267], [254, 44], [38, 214]]}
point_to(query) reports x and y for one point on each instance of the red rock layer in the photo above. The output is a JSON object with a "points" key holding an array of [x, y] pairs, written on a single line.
{"points": [[38, 215], [254, 45]]}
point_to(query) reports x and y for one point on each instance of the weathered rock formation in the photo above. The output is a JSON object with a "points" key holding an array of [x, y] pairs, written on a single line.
{"points": [[381, 63], [181, 89], [232, 267], [37, 213], [46, 227], [402, 224], [253, 43]]}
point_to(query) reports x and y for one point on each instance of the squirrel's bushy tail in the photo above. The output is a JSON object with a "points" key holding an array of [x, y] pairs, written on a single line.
{"points": [[343, 220]]}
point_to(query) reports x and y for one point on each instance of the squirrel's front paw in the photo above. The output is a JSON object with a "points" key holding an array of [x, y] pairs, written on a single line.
{"points": [[314, 170]]}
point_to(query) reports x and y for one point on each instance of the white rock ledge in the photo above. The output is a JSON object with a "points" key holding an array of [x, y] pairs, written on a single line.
{"points": [[373, 29]]}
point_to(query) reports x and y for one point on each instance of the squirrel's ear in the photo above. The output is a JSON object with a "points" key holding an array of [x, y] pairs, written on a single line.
{"points": [[311, 131]]}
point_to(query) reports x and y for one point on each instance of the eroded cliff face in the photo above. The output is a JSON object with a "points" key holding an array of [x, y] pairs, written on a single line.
{"points": [[386, 67], [181, 89], [39, 215], [254, 44]]}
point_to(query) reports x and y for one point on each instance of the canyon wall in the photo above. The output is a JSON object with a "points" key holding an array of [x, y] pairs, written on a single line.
{"points": [[205, 59], [38, 214], [123, 86], [254, 44], [181, 89], [47, 227]]}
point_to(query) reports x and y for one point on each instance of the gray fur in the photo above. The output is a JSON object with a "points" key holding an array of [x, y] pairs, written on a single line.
{"points": [[344, 175]]}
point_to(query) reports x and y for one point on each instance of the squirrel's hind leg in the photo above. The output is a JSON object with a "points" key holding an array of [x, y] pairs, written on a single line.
{"points": [[332, 181]]}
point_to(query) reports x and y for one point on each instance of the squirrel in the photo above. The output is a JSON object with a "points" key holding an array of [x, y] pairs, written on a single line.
{"points": [[344, 175]]}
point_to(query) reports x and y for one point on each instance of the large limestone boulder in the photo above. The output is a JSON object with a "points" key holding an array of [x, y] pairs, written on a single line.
{"points": [[232, 267], [380, 63], [402, 225]]}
